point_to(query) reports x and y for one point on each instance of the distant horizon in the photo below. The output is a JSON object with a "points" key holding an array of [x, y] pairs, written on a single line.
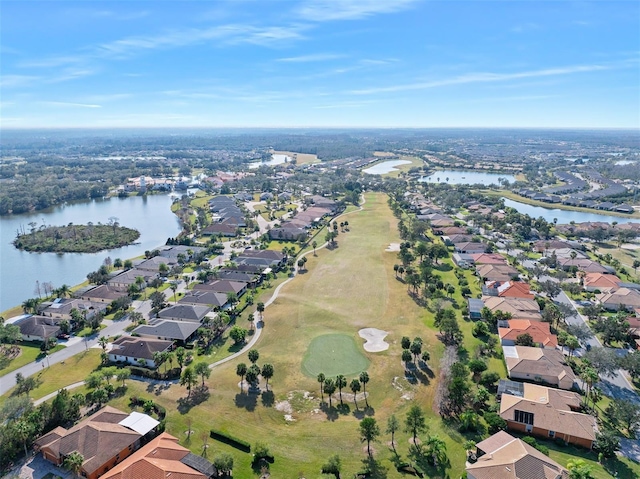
{"points": [[320, 64]]}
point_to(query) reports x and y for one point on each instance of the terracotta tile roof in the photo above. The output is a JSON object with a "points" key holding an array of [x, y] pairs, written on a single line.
{"points": [[511, 289], [488, 258], [553, 410], [159, 459], [520, 308], [601, 281], [539, 331], [622, 296], [509, 458], [537, 362]]}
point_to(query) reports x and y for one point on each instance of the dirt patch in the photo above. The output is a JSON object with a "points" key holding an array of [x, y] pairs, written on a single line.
{"points": [[448, 358], [375, 340]]}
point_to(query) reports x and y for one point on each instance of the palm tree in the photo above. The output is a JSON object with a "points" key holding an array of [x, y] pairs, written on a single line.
{"points": [[267, 373], [139, 283], [123, 374], [437, 449], [63, 291], [321, 379], [174, 288], [74, 462], [355, 388], [590, 376], [241, 370], [314, 244], [202, 370], [329, 388], [188, 379], [103, 343], [254, 355], [260, 309], [23, 430], [364, 379], [369, 431], [341, 382], [392, 426]]}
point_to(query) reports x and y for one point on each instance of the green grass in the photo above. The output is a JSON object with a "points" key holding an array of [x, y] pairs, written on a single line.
{"points": [[333, 354], [88, 331], [29, 353]]}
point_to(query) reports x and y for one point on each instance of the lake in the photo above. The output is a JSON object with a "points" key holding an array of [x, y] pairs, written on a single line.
{"points": [[564, 216], [463, 177], [151, 215], [276, 159], [385, 167]]}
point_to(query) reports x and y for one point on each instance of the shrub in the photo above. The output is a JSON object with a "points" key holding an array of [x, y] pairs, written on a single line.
{"points": [[225, 438], [489, 378], [480, 329], [495, 422]]}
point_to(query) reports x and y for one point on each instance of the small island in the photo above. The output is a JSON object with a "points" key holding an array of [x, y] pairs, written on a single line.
{"points": [[89, 238]]}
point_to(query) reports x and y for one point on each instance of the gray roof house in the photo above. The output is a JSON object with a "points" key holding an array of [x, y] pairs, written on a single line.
{"points": [[205, 298], [184, 312], [38, 328], [168, 330]]}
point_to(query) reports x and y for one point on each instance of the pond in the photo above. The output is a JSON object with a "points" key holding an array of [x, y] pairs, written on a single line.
{"points": [[385, 167], [463, 177], [564, 216], [276, 159], [151, 215]]}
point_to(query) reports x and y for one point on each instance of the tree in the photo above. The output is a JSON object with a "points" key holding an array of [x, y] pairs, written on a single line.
{"points": [[590, 376], [260, 309], [254, 355], [405, 342], [333, 465], [550, 288], [392, 427], [578, 469], [603, 360], [241, 370], [202, 370], [238, 334], [369, 431], [188, 379], [314, 245], [223, 463], [99, 397], [437, 449], [267, 373], [469, 420], [180, 356], [631, 362], [252, 374], [406, 356], [572, 344], [250, 319], [355, 389], [415, 422], [364, 379], [174, 287], [636, 264], [606, 443], [626, 412], [494, 422], [416, 349], [73, 462], [329, 387], [321, 378], [477, 366], [525, 339], [24, 430], [341, 382], [123, 374]]}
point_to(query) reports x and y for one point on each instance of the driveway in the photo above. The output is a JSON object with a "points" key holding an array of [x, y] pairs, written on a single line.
{"points": [[37, 468]]}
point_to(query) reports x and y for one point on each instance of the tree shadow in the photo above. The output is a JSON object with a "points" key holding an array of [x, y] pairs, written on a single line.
{"points": [[198, 396], [343, 409], [373, 469], [415, 375], [268, 398], [331, 412], [426, 369], [246, 401]]}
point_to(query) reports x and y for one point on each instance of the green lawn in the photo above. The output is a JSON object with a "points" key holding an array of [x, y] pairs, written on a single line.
{"points": [[29, 352], [334, 354]]}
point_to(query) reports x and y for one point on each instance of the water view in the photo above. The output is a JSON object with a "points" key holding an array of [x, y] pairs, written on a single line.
{"points": [[151, 215], [385, 167], [462, 177], [275, 160], [564, 216]]}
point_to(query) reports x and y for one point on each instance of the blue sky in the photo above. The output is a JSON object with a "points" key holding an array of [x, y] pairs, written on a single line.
{"points": [[336, 63]]}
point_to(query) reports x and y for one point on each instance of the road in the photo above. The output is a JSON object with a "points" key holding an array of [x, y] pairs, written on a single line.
{"points": [[617, 386]]}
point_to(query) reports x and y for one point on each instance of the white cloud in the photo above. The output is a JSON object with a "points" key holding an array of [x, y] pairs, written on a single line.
{"points": [[314, 57], [17, 81], [327, 10], [484, 78], [69, 104]]}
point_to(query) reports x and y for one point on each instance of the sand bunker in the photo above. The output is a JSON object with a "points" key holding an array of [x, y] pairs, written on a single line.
{"points": [[375, 340], [393, 248]]}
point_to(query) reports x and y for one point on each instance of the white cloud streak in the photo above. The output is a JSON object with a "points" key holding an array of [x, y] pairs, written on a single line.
{"points": [[314, 57], [329, 10], [69, 104], [484, 78]]}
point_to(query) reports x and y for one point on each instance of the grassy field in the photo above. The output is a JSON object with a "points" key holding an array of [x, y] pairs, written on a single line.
{"points": [[29, 354], [301, 158], [415, 162], [343, 290], [334, 354]]}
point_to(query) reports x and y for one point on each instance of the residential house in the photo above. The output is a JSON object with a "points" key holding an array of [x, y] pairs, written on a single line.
{"points": [[453, 230], [220, 229], [623, 208], [549, 413], [540, 332], [125, 279], [163, 458], [539, 365], [519, 308], [584, 264], [184, 312], [496, 272], [605, 283], [488, 258], [502, 456], [623, 298], [470, 247], [61, 308], [453, 239], [287, 232], [103, 439], [251, 279], [172, 252], [38, 328], [507, 289], [102, 294], [462, 260], [181, 331], [133, 349], [153, 265], [223, 286], [211, 299]]}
